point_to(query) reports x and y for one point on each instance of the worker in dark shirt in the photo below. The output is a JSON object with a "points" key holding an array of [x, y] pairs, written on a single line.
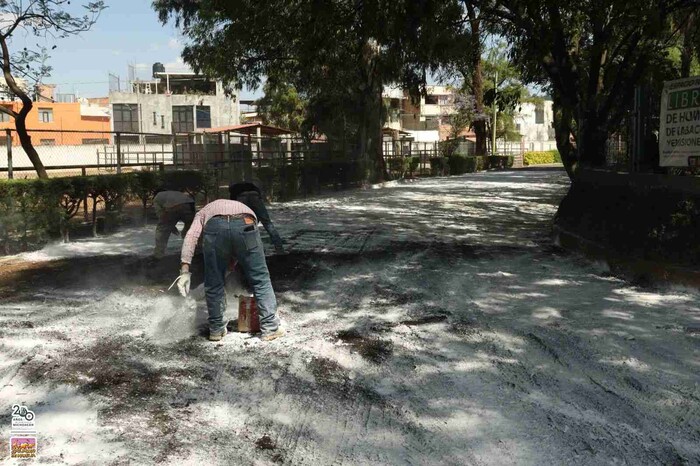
{"points": [[250, 195]]}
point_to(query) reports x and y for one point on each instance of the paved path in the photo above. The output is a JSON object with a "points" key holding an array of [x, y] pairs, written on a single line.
{"points": [[429, 323]]}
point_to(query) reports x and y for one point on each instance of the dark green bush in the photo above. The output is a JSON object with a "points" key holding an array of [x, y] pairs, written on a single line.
{"points": [[31, 211], [459, 164], [439, 166], [500, 161], [413, 164]]}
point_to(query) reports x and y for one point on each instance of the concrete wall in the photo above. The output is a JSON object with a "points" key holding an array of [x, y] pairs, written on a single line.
{"points": [[224, 110], [531, 130], [425, 136]]}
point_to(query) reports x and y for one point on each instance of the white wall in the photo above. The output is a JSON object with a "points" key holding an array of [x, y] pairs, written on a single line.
{"points": [[425, 136], [529, 129], [84, 154]]}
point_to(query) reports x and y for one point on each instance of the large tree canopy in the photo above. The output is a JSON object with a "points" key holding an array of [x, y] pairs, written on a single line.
{"points": [[591, 54], [36, 19], [338, 53]]}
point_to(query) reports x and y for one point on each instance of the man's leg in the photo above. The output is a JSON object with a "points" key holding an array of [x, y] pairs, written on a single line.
{"points": [[249, 251], [166, 223], [217, 252]]}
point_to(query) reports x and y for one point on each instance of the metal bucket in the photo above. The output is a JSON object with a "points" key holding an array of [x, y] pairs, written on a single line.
{"points": [[248, 315]]}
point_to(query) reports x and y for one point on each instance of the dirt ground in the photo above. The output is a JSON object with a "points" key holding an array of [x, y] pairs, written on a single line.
{"points": [[431, 322]]}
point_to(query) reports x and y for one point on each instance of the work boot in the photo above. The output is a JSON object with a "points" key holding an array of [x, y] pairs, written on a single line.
{"points": [[217, 336], [272, 335]]}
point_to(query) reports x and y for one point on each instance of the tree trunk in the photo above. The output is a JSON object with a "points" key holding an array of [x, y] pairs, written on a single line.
{"points": [[26, 141], [591, 147], [94, 216], [563, 123], [21, 118], [371, 128], [477, 81]]}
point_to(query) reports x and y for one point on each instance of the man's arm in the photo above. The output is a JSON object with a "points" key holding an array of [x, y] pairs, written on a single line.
{"points": [[190, 242]]}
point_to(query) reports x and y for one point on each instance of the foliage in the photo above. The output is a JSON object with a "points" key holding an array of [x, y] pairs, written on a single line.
{"points": [[338, 55], [439, 166], [41, 20], [282, 106], [590, 55], [459, 164], [644, 217], [500, 161], [541, 158], [507, 92], [463, 114], [31, 211]]}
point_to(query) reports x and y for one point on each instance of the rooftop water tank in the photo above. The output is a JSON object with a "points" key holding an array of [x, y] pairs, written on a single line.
{"points": [[158, 68]]}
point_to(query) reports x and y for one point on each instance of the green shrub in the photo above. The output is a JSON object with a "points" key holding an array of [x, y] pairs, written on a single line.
{"points": [[500, 161], [459, 164], [476, 163], [541, 158], [439, 166], [413, 164]]}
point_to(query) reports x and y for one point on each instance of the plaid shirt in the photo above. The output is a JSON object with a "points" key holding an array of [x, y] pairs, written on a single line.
{"points": [[218, 207]]}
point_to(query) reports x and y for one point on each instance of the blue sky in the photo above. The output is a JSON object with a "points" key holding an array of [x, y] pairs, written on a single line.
{"points": [[127, 32]]}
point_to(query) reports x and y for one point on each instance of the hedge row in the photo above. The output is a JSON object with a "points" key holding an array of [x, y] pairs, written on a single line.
{"points": [[457, 164], [541, 158], [36, 210], [283, 182]]}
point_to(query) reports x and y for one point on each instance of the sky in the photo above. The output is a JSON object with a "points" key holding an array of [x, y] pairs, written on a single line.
{"points": [[127, 32]]}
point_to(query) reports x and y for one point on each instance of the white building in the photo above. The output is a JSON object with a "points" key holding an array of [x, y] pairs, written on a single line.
{"points": [[180, 102], [534, 121]]}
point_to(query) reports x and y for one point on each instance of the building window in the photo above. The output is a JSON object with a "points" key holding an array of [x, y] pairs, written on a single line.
{"points": [[127, 140], [126, 117], [155, 119], [162, 122], [431, 100], [158, 139], [95, 141], [539, 115], [203, 116], [183, 118], [47, 142], [444, 100], [45, 115]]}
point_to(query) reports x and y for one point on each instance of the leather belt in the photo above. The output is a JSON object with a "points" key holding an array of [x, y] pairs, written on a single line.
{"points": [[247, 218]]}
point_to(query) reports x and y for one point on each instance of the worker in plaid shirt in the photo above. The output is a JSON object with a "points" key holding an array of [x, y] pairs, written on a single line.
{"points": [[230, 231]]}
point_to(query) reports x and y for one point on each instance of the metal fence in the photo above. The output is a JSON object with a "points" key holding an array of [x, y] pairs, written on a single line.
{"points": [[634, 146], [75, 152]]}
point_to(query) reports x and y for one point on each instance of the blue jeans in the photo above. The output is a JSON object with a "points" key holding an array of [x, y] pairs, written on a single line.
{"points": [[252, 199], [226, 238]]}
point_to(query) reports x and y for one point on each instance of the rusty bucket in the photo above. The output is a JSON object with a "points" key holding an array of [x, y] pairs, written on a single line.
{"points": [[248, 315]]}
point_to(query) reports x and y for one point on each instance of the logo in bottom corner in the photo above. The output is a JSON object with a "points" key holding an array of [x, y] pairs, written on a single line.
{"points": [[22, 447]]}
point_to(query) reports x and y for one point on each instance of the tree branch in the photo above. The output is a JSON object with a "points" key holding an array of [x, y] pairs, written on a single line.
{"points": [[8, 111]]}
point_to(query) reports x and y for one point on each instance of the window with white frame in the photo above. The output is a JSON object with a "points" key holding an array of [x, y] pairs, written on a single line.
{"points": [[45, 115]]}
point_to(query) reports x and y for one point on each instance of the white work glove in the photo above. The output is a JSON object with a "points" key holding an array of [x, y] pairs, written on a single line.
{"points": [[183, 283]]}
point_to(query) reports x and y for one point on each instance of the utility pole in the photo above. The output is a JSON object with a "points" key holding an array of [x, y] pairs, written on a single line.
{"points": [[495, 108]]}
